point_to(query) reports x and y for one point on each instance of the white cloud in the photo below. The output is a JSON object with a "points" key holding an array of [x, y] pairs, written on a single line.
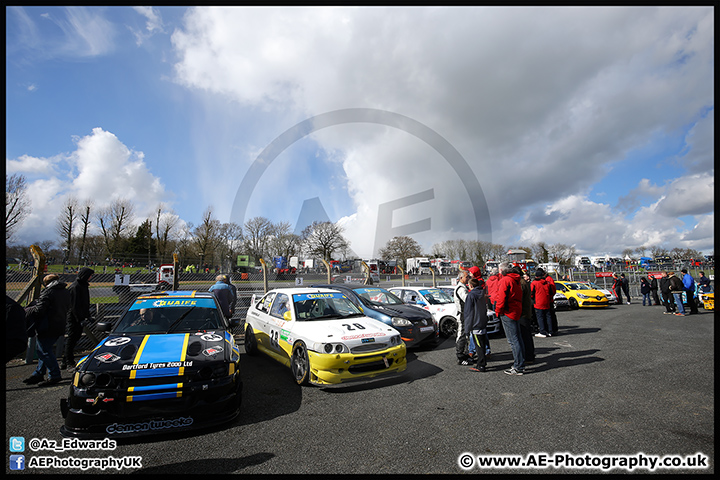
{"points": [[102, 168], [543, 103]]}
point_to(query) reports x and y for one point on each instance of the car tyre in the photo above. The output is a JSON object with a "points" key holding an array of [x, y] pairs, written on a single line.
{"points": [[300, 364], [573, 304], [448, 327], [251, 346]]}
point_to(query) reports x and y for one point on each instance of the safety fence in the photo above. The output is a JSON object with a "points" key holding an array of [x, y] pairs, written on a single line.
{"points": [[110, 297]]}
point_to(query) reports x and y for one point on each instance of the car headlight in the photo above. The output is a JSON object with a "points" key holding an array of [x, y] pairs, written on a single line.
{"points": [[395, 340], [401, 322], [334, 348], [583, 296]]}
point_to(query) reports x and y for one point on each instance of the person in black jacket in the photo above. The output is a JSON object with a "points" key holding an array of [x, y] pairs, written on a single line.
{"points": [[46, 320], [667, 296], [15, 335], [78, 313], [654, 290], [475, 321]]}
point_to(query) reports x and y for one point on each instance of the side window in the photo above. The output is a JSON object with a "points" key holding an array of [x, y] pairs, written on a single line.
{"points": [[266, 301], [280, 305]]}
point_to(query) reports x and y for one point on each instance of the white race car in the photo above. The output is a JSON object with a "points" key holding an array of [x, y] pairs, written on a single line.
{"points": [[608, 293], [322, 336], [434, 300]]}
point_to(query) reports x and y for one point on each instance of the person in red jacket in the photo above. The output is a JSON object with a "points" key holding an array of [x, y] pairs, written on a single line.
{"points": [[508, 307], [491, 283], [553, 316], [540, 290]]}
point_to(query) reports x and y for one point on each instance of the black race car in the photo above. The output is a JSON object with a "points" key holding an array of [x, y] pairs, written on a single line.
{"points": [[416, 326], [170, 364]]}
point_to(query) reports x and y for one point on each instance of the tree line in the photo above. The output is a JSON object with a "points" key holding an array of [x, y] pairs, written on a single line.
{"points": [[110, 234]]}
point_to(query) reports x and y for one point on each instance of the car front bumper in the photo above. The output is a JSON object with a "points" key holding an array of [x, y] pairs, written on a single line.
{"points": [[90, 414], [332, 369]]}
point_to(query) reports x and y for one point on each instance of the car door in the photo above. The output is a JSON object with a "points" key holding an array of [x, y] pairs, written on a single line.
{"points": [[280, 314], [260, 322]]}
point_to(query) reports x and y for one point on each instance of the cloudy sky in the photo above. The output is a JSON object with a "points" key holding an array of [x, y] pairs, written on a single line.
{"points": [[591, 127]]}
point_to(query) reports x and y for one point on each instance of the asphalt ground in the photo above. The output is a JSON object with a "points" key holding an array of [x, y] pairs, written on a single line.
{"points": [[617, 384]]}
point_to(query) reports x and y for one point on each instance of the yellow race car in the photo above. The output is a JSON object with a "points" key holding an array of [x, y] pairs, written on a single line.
{"points": [[708, 301], [580, 294]]}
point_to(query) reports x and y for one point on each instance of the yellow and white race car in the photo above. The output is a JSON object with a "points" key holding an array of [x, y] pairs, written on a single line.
{"points": [[322, 336], [708, 300]]}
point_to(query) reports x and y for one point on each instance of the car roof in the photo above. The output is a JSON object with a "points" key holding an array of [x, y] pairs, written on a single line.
{"points": [[415, 288], [349, 286], [301, 290]]}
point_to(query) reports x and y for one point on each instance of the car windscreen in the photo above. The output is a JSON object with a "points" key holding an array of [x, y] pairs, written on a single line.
{"points": [[435, 296], [377, 296], [171, 315], [323, 306]]}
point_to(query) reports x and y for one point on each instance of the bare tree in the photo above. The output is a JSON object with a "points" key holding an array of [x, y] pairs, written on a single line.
{"points": [[115, 221], [561, 253], [400, 249], [283, 242], [85, 221], [322, 239], [66, 224], [206, 235], [257, 233], [17, 204], [166, 222]]}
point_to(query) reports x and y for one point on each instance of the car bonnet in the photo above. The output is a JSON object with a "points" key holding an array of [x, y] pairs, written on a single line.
{"points": [[157, 355]]}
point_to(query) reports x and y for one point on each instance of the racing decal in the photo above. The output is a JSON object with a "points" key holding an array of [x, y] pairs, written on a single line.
{"points": [[212, 351], [118, 428], [117, 341], [311, 296], [152, 366], [161, 349], [211, 337], [170, 303], [107, 357], [367, 340], [362, 335]]}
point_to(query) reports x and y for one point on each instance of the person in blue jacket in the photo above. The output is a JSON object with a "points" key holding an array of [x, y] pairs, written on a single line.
{"points": [[224, 295], [689, 284]]}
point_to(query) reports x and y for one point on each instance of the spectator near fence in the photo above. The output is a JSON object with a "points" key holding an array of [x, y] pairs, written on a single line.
{"points": [[46, 321], [79, 312]]}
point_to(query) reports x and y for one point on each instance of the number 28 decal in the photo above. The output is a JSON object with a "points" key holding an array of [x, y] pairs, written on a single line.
{"points": [[354, 326]]}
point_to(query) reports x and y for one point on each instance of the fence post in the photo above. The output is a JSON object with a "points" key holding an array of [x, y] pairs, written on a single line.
{"points": [[32, 289], [402, 275], [265, 279], [176, 267], [327, 269]]}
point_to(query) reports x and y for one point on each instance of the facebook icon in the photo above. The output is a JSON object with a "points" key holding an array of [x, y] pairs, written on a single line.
{"points": [[17, 462]]}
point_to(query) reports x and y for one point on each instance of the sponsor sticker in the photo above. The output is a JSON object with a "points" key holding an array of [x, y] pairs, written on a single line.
{"points": [[119, 428], [211, 337], [107, 357], [212, 351], [117, 341]]}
